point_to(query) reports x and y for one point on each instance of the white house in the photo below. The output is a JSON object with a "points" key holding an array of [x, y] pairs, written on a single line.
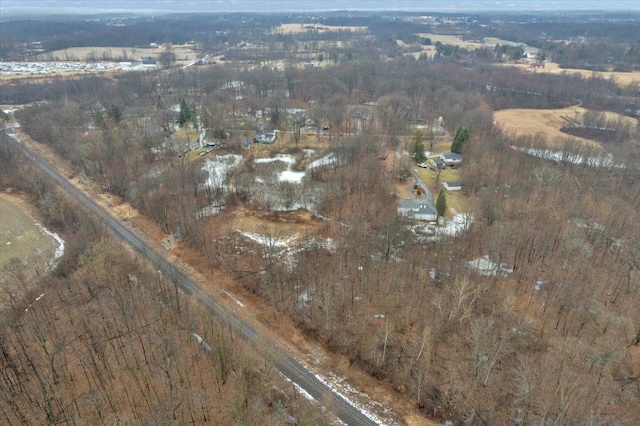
{"points": [[451, 159]]}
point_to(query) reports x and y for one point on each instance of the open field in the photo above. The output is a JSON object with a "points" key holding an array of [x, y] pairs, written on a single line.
{"points": [[21, 238], [185, 52], [621, 78], [543, 121], [297, 28]]}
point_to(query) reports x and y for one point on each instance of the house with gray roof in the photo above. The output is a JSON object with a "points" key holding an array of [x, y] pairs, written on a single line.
{"points": [[416, 210], [451, 159]]}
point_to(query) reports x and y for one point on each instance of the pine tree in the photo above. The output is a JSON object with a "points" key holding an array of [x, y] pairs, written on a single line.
{"points": [[418, 147], [461, 137], [185, 113], [441, 203], [114, 113]]}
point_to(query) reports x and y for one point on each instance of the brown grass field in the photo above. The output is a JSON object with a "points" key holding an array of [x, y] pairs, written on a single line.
{"points": [[544, 121], [185, 52], [21, 238], [621, 78]]}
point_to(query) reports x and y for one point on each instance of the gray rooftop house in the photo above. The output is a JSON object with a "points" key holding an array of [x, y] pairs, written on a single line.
{"points": [[417, 210], [266, 137], [451, 159]]}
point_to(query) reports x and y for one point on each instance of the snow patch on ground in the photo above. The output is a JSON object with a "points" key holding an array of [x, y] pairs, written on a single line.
{"points": [[211, 210], [201, 341], [328, 160], [372, 409], [308, 396], [233, 298], [285, 158], [59, 250], [487, 267], [218, 167], [559, 156], [459, 223], [266, 240], [291, 176]]}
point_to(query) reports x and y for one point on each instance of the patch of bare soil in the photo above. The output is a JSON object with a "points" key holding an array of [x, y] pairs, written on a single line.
{"points": [[291, 224]]}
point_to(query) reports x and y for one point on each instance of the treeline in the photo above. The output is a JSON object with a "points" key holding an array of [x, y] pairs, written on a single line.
{"points": [[108, 340]]}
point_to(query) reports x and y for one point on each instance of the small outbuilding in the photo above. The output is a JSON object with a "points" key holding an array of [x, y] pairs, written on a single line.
{"points": [[452, 186], [438, 163]]}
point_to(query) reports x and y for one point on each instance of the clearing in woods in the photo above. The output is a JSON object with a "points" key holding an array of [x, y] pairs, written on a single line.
{"points": [[23, 239]]}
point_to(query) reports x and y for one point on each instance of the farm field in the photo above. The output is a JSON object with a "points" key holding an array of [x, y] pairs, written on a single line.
{"points": [[543, 121], [621, 78], [184, 52]]}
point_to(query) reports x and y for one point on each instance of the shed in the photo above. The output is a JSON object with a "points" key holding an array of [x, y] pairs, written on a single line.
{"points": [[438, 163], [452, 185]]}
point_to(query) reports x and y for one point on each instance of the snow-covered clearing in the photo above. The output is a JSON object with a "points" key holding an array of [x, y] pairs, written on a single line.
{"points": [[293, 176], [459, 223], [218, 168]]}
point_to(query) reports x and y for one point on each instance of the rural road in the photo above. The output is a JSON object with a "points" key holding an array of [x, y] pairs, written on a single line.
{"points": [[285, 363]]}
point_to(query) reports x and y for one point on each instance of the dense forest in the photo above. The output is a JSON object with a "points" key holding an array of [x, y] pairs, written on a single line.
{"points": [[462, 345], [529, 315]]}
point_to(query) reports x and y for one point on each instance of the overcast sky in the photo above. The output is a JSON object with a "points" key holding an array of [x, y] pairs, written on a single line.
{"points": [[84, 6]]}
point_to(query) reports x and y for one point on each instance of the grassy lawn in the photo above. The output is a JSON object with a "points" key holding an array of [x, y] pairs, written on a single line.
{"points": [[455, 199], [193, 155], [20, 237]]}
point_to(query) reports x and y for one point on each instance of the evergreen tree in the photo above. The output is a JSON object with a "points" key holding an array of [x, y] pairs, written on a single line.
{"points": [[114, 113], [418, 147], [461, 137], [98, 119], [441, 203], [185, 113]]}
